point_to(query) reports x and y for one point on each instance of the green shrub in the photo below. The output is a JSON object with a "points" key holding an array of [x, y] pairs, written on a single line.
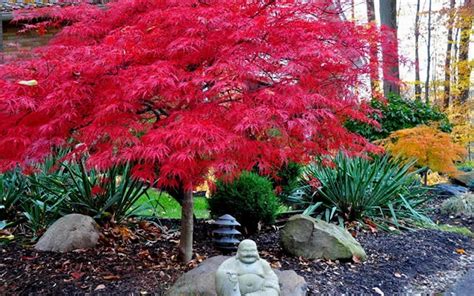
{"points": [[467, 166], [249, 198], [459, 205], [398, 113], [355, 189]]}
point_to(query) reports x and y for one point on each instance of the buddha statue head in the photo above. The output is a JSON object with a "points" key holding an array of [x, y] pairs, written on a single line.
{"points": [[247, 252]]}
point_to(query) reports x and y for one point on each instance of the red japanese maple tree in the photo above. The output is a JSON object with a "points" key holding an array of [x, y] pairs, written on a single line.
{"points": [[179, 88]]}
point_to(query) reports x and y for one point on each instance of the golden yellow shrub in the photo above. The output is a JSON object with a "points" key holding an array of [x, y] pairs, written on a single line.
{"points": [[431, 147]]}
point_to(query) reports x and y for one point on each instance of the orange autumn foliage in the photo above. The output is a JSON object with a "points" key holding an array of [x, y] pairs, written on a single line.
{"points": [[432, 148]]}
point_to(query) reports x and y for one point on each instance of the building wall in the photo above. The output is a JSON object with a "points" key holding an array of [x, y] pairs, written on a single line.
{"points": [[17, 44]]}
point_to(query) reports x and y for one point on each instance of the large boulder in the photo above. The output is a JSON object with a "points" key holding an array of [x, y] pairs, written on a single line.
{"points": [[200, 281], [73, 231], [465, 179], [312, 239]]}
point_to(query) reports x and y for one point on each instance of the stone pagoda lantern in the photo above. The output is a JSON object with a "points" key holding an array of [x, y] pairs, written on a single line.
{"points": [[225, 235]]}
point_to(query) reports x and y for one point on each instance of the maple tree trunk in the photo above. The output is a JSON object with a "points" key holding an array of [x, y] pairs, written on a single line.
{"points": [[428, 57], [464, 70], [417, 53], [187, 226], [374, 77], [388, 17], [447, 62]]}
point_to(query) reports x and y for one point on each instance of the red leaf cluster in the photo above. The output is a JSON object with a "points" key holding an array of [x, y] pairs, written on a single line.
{"points": [[183, 87]]}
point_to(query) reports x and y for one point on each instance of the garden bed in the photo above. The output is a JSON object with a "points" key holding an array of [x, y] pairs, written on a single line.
{"points": [[439, 217], [412, 261]]}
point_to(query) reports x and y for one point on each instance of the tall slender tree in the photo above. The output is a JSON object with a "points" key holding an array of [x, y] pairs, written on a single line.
{"points": [[454, 68], [371, 11], [417, 53], [1, 38], [447, 61], [428, 55], [466, 17], [374, 59], [388, 18], [353, 10]]}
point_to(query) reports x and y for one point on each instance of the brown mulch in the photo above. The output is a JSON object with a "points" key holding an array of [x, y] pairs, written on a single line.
{"points": [[144, 261]]}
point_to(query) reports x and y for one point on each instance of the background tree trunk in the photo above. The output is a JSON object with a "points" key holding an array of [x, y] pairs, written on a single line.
{"points": [[370, 11], [417, 53], [1, 38], [185, 248], [428, 56], [464, 69], [353, 10], [447, 62], [454, 61], [388, 17], [374, 77]]}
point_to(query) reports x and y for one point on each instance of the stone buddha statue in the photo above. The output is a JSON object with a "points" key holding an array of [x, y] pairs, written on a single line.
{"points": [[246, 274]]}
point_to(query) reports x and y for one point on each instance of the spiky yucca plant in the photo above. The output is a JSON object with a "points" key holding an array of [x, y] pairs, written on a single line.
{"points": [[383, 190]]}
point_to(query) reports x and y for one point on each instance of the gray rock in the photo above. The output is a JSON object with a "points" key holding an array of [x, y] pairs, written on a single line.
{"points": [[73, 231], [200, 281], [291, 283], [313, 239], [449, 189], [465, 179]]}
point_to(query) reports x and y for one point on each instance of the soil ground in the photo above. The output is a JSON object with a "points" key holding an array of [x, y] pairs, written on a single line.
{"points": [[148, 264], [144, 261]]}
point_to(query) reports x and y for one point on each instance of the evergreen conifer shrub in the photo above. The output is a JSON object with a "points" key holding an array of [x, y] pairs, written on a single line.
{"points": [[249, 198]]}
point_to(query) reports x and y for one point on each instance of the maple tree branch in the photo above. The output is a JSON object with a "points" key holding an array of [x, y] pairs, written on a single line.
{"points": [[263, 8]]}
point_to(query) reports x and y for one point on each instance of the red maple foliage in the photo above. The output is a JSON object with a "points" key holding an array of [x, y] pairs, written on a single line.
{"points": [[183, 87]]}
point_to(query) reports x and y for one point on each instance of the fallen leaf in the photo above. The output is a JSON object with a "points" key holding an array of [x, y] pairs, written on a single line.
{"points": [[378, 291], [144, 225], [28, 82], [111, 277], [144, 254], [77, 275], [99, 287], [461, 251], [356, 259], [7, 237], [371, 224], [276, 264], [200, 258], [124, 233]]}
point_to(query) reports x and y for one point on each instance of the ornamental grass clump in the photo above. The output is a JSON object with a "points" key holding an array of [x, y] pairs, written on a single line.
{"points": [[382, 191], [459, 205]]}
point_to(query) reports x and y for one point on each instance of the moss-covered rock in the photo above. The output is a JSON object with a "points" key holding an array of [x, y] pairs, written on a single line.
{"points": [[465, 179], [312, 239]]}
